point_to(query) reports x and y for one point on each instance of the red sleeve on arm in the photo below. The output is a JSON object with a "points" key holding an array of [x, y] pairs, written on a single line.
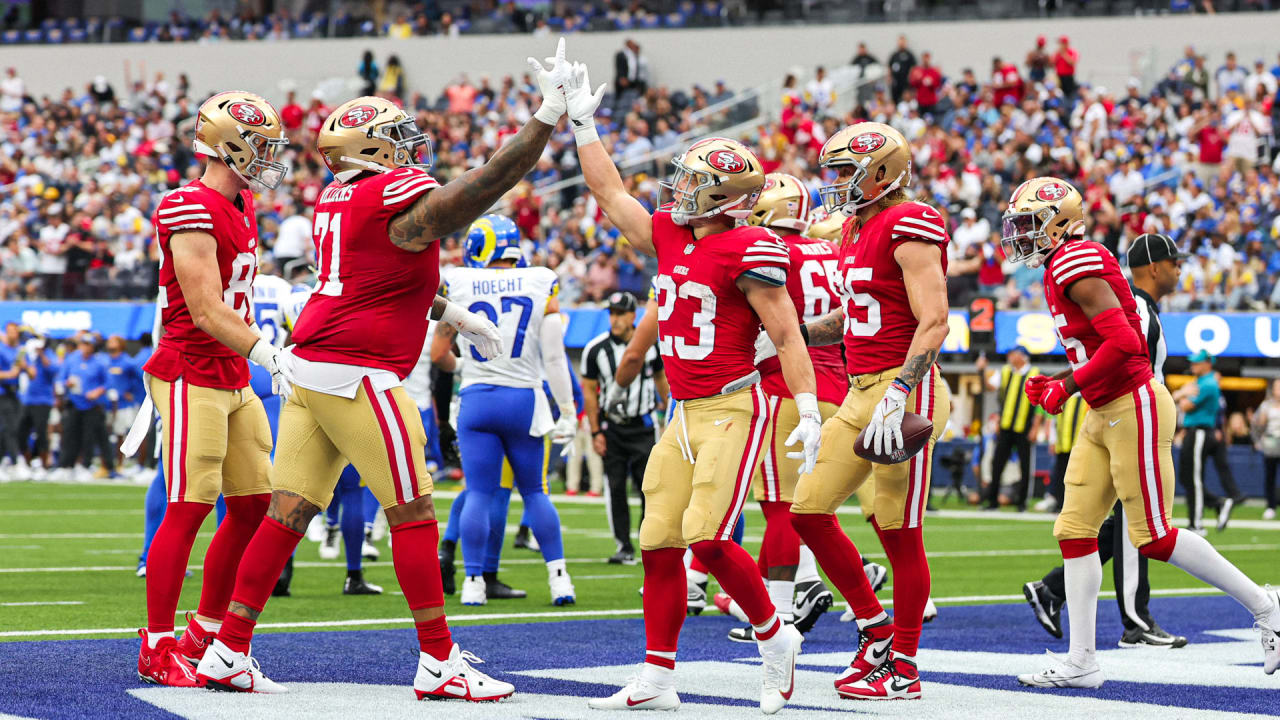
{"points": [[1122, 340]]}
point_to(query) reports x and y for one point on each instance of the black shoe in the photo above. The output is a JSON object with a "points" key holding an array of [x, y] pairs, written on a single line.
{"points": [[282, 583], [495, 589], [356, 585], [1047, 607], [1137, 637], [695, 597], [525, 540], [623, 557], [813, 600], [876, 573], [746, 633], [1224, 512], [447, 572]]}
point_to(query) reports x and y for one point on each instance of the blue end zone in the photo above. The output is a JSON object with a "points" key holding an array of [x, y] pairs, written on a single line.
{"points": [[79, 678]]}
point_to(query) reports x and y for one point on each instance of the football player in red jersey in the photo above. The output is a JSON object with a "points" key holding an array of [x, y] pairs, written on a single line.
{"points": [[215, 438], [359, 336], [716, 285], [783, 207], [892, 330], [1124, 449]]}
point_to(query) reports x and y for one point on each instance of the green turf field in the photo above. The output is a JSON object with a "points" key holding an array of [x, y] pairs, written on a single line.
{"points": [[67, 555]]}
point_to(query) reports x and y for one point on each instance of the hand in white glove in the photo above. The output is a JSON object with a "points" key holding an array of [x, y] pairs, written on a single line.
{"points": [[884, 432], [764, 347], [551, 81], [565, 430], [808, 432], [476, 328], [582, 104], [615, 402], [272, 358]]}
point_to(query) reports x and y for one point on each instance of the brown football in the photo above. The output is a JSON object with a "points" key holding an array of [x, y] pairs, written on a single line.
{"points": [[916, 430]]}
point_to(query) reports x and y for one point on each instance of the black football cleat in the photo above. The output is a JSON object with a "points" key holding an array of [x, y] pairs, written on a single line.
{"points": [[813, 600], [447, 570], [355, 585], [1046, 605], [623, 557], [282, 583], [495, 589], [1156, 637]]}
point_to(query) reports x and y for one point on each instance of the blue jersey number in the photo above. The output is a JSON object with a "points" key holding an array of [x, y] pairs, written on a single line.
{"points": [[508, 304], [268, 319]]}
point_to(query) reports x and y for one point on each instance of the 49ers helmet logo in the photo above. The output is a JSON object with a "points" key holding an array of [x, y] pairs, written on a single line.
{"points": [[247, 114], [867, 142], [727, 160], [1051, 192], [357, 116]]}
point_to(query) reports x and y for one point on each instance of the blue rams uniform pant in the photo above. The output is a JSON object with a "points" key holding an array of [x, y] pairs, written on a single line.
{"points": [[493, 424], [349, 497]]}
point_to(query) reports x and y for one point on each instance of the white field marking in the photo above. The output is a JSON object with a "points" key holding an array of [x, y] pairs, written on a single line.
{"points": [[71, 511], [70, 536], [112, 551], [20, 547], [42, 602], [605, 577]]}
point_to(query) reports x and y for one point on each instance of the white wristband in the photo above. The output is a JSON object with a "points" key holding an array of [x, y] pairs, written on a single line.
{"points": [[261, 353], [547, 114], [452, 314], [807, 403], [585, 134]]}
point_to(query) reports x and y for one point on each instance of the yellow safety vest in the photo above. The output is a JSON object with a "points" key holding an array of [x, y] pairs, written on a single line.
{"points": [[1015, 408], [1070, 422]]}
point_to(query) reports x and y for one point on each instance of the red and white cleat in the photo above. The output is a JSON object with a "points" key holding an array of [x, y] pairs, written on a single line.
{"points": [[164, 665], [779, 654], [897, 679], [640, 693], [222, 668], [456, 679], [874, 642], [194, 641], [726, 605]]}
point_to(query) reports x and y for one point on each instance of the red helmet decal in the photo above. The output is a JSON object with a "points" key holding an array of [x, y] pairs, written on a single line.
{"points": [[357, 116], [727, 160], [867, 142], [247, 113], [1051, 192], [768, 183]]}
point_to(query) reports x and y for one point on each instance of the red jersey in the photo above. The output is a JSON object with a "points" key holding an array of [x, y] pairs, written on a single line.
{"points": [[1076, 260], [812, 290], [878, 322], [372, 299], [185, 350], [706, 328]]}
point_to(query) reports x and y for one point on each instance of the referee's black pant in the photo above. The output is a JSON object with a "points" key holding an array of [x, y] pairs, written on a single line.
{"points": [[1006, 442], [82, 432], [1200, 444], [1058, 477], [626, 452], [1129, 571]]}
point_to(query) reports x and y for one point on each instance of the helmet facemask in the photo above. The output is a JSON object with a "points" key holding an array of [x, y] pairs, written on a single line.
{"points": [[844, 193], [1024, 237], [686, 186], [262, 171]]}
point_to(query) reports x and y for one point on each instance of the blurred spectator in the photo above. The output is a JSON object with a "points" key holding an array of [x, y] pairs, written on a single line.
{"points": [[1244, 126], [630, 70], [1266, 438], [367, 71], [1006, 83], [820, 92], [400, 29], [602, 276], [12, 91], [392, 82], [900, 64], [926, 81], [1230, 76], [1260, 84], [1038, 61], [1064, 66], [291, 114]]}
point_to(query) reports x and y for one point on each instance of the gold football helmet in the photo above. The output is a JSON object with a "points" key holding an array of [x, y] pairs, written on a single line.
{"points": [[826, 226], [244, 131], [715, 176], [1043, 213], [783, 203], [370, 133], [873, 160]]}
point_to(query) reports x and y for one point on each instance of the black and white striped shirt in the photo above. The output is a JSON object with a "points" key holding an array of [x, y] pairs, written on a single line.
{"points": [[1149, 314], [600, 362]]}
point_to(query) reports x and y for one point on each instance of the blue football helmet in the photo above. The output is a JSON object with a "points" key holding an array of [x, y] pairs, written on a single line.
{"points": [[492, 237]]}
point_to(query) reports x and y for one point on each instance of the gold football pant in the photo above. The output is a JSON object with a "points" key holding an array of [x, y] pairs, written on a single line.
{"points": [[214, 441], [775, 478], [700, 471], [1124, 450], [380, 433], [901, 489]]}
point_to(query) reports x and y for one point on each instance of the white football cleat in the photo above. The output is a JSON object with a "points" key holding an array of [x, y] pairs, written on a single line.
{"points": [[222, 668], [1270, 632], [315, 528], [1064, 674], [639, 693], [562, 592], [455, 679], [329, 546], [930, 611], [779, 655], [473, 591]]}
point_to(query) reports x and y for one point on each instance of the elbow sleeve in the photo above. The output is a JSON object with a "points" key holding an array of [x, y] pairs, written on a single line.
{"points": [[551, 341]]}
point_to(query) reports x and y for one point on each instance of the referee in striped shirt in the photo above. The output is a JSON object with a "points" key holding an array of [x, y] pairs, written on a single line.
{"points": [[1156, 265], [625, 434]]}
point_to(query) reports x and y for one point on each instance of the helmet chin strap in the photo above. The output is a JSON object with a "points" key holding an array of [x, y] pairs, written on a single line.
{"points": [[375, 167]]}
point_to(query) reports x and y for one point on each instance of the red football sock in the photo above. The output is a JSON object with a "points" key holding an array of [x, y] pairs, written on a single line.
{"points": [[413, 552], [267, 553], [737, 574], [781, 543], [762, 560], [876, 526], [167, 561], [837, 555], [905, 548], [664, 604], [244, 514], [434, 637], [696, 565]]}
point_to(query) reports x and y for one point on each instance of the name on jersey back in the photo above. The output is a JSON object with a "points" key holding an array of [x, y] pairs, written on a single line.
{"points": [[497, 286], [336, 193]]}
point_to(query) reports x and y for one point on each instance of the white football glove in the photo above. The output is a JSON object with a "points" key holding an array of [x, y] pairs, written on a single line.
{"points": [[884, 432], [582, 104], [565, 430], [551, 81], [764, 347], [271, 357], [476, 328], [808, 433], [615, 402]]}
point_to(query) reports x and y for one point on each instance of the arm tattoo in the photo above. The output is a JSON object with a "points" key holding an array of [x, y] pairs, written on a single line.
{"points": [[296, 513], [827, 330], [453, 206], [437, 307], [913, 372], [243, 611]]}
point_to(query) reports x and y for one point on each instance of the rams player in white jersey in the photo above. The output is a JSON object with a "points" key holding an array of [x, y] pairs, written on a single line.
{"points": [[503, 412]]}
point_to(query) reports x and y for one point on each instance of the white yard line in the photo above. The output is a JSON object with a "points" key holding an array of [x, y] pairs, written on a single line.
{"points": [[41, 602]]}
